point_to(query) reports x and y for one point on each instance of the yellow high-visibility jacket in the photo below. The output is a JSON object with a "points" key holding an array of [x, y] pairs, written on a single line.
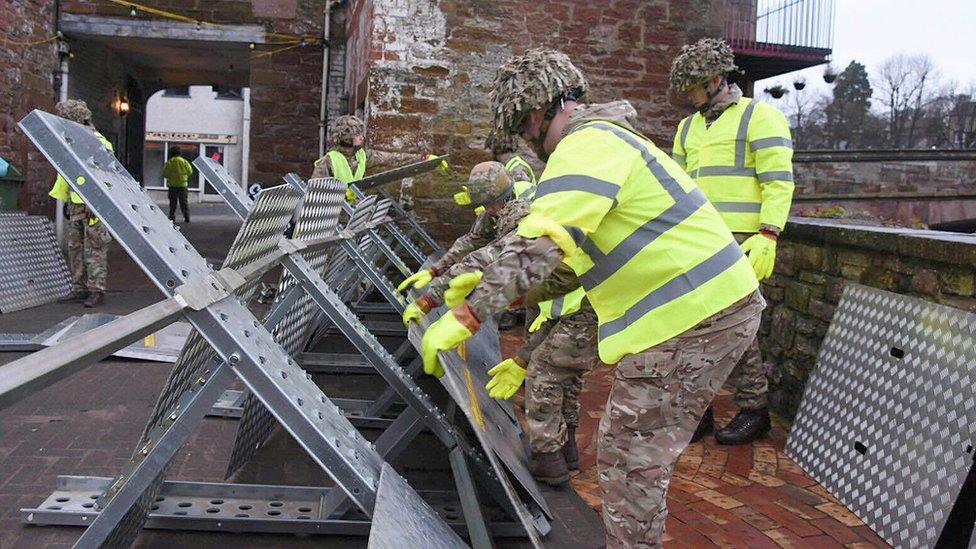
{"points": [[743, 162]]}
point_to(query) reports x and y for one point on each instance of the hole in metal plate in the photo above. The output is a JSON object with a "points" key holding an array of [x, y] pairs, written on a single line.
{"points": [[274, 513], [860, 448], [184, 504], [242, 515], [897, 353], [62, 500], [216, 501], [213, 510], [244, 507], [276, 504]]}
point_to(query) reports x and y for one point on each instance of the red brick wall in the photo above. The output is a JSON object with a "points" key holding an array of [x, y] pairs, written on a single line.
{"points": [[27, 82], [432, 65]]}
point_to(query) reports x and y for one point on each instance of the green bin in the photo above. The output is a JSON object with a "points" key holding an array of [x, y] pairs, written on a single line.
{"points": [[10, 185]]}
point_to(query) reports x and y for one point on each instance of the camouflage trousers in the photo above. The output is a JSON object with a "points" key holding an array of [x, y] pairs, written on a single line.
{"points": [[554, 379], [87, 250], [750, 386], [655, 403]]}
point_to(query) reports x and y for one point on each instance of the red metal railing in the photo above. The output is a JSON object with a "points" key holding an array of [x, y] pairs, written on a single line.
{"points": [[772, 24]]}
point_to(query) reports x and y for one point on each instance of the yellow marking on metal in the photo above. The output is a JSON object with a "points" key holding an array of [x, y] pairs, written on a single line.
{"points": [[149, 340], [473, 400]]}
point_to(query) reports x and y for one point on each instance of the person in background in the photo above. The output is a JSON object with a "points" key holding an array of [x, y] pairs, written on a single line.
{"points": [[177, 171]]}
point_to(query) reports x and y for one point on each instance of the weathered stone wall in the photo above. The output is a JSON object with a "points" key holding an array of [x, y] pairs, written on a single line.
{"points": [[909, 187], [430, 66], [28, 80], [816, 258]]}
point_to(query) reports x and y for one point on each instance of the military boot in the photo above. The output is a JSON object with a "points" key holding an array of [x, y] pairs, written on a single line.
{"points": [[706, 426], [570, 451], [95, 299], [76, 296], [746, 427], [549, 467]]}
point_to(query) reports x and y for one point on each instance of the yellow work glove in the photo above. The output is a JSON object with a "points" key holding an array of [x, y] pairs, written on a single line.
{"points": [[506, 378], [761, 250], [417, 280], [350, 194], [417, 310], [462, 198], [445, 334], [479, 210], [460, 287], [537, 323], [443, 167]]}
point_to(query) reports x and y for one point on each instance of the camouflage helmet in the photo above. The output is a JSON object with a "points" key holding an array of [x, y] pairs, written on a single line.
{"points": [[488, 184], [342, 130], [74, 110], [537, 78], [700, 61]]}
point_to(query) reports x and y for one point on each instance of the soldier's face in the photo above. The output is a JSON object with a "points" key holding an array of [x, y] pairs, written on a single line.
{"points": [[697, 95], [533, 132], [359, 140]]}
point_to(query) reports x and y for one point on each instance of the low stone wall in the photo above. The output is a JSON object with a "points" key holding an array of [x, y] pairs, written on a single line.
{"points": [[816, 258], [909, 187]]}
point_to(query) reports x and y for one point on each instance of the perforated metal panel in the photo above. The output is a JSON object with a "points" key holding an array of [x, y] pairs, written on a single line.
{"points": [[887, 420], [32, 269], [319, 219]]}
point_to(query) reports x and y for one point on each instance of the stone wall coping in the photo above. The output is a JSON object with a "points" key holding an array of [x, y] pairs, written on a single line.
{"points": [[940, 246], [884, 155]]}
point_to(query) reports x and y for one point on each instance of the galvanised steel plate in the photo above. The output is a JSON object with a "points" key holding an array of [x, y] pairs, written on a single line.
{"points": [[402, 519], [161, 346], [887, 420], [32, 269]]}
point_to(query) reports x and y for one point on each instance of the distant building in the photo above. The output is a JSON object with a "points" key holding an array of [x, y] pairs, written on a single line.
{"points": [[200, 120]]}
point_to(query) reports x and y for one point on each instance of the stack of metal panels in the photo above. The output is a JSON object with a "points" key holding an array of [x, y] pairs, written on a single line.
{"points": [[32, 269]]}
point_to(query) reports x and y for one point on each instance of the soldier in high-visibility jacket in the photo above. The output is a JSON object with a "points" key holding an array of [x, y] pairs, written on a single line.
{"points": [[88, 239], [676, 297], [740, 153], [348, 159]]}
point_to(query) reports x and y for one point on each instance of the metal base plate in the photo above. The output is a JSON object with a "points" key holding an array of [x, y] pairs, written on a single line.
{"points": [[238, 508], [887, 420]]}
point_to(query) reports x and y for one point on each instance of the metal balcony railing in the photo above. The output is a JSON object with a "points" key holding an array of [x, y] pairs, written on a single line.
{"points": [[773, 24]]}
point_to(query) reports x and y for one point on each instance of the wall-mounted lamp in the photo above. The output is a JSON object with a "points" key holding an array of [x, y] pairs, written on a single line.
{"points": [[123, 106]]}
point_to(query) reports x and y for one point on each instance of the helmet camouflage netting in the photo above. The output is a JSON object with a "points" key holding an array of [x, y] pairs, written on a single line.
{"points": [[700, 61], [74, 110], [534, 79], [342, 130]]}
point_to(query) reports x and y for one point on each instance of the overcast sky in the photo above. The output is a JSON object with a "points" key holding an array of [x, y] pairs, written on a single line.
{"points": [[872, 30]]}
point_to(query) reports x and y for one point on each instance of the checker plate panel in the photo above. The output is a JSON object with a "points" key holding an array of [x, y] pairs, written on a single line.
{"points": [[888, 412]]}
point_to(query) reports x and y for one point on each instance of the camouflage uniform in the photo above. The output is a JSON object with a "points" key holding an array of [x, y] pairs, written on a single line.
{"points": [[658, 396], [749, 377], [655, 403], [88, 242], [558, 355], [87, 250]]}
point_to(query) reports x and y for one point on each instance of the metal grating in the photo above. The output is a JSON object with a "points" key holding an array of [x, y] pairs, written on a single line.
{"points": [[319, 218], [171, 262], [32, 269], [887, 420]]}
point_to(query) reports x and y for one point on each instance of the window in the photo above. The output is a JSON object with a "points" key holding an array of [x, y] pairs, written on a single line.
{"points": [[227, 92], [177, 91]]}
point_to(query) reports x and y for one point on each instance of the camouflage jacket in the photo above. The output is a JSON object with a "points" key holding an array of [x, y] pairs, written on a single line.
{"points": [[584, 314], [476, 257], [526, 269], [374, 159]]}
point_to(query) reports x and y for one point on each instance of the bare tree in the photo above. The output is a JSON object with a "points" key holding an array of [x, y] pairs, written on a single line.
{"points": [[905, 84], [950, 120]]}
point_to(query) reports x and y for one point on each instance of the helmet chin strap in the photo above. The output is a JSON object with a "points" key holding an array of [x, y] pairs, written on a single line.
{"points": [[711, 95]]}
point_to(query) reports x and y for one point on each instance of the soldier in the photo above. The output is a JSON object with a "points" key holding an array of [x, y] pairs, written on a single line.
{"points": [[348, 159], [489, 188], [88, 239], [557, 355], [676, 298], [743, 163], [519, 163]]}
